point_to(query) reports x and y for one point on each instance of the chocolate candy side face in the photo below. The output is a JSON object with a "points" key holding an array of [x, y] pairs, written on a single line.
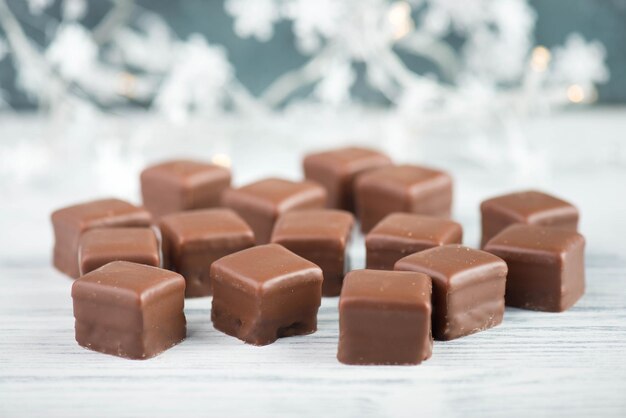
{"points": [[260, 203], [529, 207], [265, 293], [546, 266], [385, 318], [175, 186], [129, 310], [322, 237], [403, 188], [337, 169], [401, 234], [70, 222], [468, 288], [193, 240], [100, 246]]}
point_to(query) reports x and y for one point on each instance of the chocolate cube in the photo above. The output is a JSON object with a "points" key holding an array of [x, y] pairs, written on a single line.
{"points": [[401, 234], [468, 288], [70, 222], [531, 208], [100, 246], [403, 188], [384, 318], [336, 170], [264, 293], [175, 186], [321, 236], [260, 203], [193, 240], [129, 310], [546, 266]]}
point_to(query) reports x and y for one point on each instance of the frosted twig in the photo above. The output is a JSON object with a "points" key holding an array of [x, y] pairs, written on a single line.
{"points": [[119, 14], [289, 82]]}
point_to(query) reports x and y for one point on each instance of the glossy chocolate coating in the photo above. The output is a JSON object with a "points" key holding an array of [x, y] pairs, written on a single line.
{"points": [[100, 246], [321, 236], [401, 234], [468, 288], [529, 207], [70, 222], [385, 318], [546, 266], [402, 188], [260, 203], [264, 293], [175, 186], [129, 310], [193, 240], [336, 170]]}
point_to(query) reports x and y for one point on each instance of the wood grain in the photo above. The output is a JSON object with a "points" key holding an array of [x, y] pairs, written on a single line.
{"points": [[569, 364]]}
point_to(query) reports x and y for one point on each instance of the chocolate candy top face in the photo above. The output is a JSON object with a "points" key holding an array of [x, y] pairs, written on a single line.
{"points": [[546, 266], [123, 283], [321, 236], [337, 169], [174, 186], [100, 246], [193, 240], [403, 188], [385, 318], [70, 222], [129, 310], [401, 234], [468, 288], [265, 292], [529, 207], [260, 203]]}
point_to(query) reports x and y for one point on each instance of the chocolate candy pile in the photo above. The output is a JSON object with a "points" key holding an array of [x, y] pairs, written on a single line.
{"points": [[270, 250]]}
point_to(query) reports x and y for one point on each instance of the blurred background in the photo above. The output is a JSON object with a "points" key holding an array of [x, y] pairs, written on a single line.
{"points": [[505, 94]]}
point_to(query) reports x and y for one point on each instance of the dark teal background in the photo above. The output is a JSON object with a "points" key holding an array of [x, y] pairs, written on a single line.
{"points": [[257, 64]]}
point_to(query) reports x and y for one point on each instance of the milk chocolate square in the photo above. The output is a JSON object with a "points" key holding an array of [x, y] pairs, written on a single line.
{"points": [[100, 246], [265, 293], [193, 240], [260, 203], [175, 186], [384, 318], [546, 266], [403, 188], [70, 222], [529, 207], [401, 234], [129, 310], [321, 236], [468, 288], [336, 170]]}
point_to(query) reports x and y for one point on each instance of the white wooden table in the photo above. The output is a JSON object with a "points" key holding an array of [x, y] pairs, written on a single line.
{"points": [[568, 364]]}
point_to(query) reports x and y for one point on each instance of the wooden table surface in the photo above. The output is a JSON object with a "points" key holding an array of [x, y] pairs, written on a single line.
{"points": [[539, 364]]}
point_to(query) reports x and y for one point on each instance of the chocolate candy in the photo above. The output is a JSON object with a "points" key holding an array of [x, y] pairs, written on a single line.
{"points": [[264, 293], [401, 234], [100, 246], [70, 222], [530, 207], [546, 266], [468, 288], [174, 186], [384, 318], [403, 188], [129, 310], [260, 203], [321, 236], [337, 169], [193, 240]]}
